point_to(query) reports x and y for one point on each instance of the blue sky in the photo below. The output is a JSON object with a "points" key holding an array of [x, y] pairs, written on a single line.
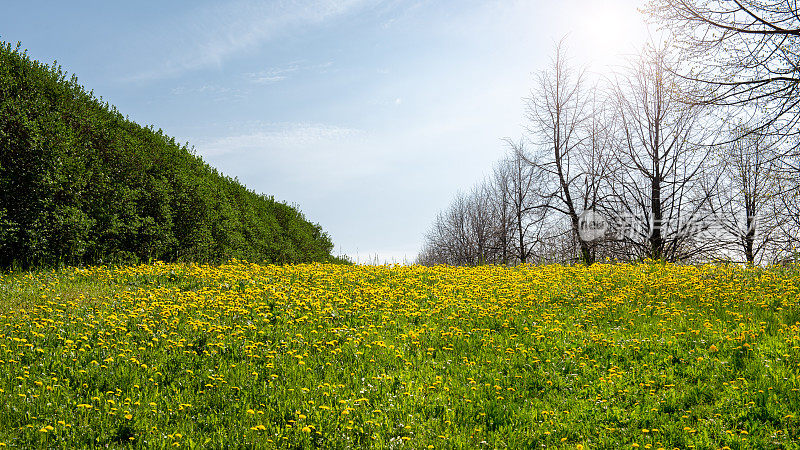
{"points": [[369, 115]]}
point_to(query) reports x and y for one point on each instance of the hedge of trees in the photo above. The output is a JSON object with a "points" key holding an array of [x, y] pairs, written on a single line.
{"points": [[82, 184]]}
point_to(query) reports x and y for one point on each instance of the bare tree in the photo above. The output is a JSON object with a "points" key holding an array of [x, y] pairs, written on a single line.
{"points": [[501, 195], [658, 200], [446, 242], [598, 164], [526, 218], [746, 56], [786, 208], [481, 223], [569, 136], [742, 202], [744, 52], [494, 223], [465, 233]]}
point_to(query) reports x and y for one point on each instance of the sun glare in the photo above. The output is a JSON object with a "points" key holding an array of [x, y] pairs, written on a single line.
{"points": [[607, 32]]}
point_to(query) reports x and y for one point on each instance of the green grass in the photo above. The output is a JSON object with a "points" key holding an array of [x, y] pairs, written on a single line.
{"points": [[654, 356]]}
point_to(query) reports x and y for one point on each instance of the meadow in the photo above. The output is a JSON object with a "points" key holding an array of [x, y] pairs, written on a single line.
{"points": [[334, 356]]}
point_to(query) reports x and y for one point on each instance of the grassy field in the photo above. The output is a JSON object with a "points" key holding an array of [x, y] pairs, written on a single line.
{"points": [[648, 356]]}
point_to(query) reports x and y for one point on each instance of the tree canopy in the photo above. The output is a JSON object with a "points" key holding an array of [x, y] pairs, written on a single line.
{"points": [[743, 52]]}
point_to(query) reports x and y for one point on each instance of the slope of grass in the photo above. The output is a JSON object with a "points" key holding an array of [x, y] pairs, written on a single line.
{"points": [[649, 356]]}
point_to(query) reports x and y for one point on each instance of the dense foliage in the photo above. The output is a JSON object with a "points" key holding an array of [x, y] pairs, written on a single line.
{"points": [[80, 183], [342, 356]]}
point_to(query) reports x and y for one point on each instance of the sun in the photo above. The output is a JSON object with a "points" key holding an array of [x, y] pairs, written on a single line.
{"points": [[608, 31]]}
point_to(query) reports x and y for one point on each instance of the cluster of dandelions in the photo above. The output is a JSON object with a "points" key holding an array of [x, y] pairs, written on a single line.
{"points": [[647, 355]]}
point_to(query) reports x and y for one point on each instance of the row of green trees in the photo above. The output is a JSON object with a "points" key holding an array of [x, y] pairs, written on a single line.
{"points": [[81, 184]]}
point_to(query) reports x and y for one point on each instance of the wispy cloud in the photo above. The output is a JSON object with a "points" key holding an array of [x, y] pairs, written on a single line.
{"points": [[384, 101], [281, 137], [204, 89], [272, 75], [209, 91], [286, 71], [209, 36]]}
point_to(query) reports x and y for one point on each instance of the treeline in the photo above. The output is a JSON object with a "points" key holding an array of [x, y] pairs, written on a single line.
{"points": [[81, 184], [635, 166]]}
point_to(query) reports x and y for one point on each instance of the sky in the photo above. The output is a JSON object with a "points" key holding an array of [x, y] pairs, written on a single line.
{"points": [[369, 115]]}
